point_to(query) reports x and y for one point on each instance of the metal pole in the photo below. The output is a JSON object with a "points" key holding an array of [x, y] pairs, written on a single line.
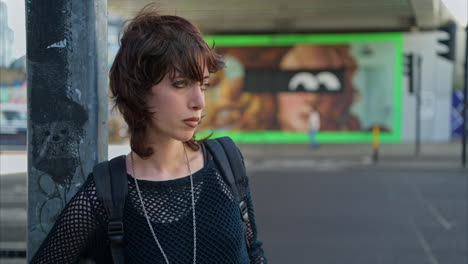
{"points": [[465, 102], [418, 105], [375, 143], [67, 104]]}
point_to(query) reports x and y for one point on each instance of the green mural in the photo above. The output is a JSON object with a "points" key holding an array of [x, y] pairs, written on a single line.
{"points": [[272, 84]]}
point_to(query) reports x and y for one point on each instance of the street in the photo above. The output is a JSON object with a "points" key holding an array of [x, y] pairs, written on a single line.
{"points": [[363, 215], [332, 211]]}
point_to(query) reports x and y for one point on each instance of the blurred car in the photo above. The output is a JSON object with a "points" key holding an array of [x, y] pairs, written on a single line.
{"points": [[13, 119]]}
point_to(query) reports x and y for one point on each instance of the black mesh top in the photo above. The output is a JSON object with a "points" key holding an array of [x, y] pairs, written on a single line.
{"points": [[81, 228]]}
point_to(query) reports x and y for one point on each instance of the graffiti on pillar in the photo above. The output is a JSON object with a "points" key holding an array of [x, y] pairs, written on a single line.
{"points": [[57, 156]]}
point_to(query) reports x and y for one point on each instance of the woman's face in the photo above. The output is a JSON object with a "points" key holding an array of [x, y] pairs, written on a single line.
{"points": [[177, 104]]}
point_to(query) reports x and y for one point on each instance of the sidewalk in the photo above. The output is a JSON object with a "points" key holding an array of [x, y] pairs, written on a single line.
{"points": [[432, 155], [447, 150]]}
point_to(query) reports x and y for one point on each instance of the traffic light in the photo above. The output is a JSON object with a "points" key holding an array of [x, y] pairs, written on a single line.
{"points": [[409, 71], [448, 42]]}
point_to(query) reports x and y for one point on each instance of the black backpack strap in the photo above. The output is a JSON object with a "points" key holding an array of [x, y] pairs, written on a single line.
{"points": [[110, 178], [226, 164], [230, 162], [235, 159]]}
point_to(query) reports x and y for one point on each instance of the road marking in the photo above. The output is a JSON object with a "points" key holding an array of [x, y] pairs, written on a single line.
{"points": [[440, 218], [10, 164], [424, 244], [12, 245], [10, 217], [432, 209], [324, 164]]}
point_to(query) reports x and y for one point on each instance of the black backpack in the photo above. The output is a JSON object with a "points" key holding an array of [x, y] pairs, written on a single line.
{"points": [[110, 178]]}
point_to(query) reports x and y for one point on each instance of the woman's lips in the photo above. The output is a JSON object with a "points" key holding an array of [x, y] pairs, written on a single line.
{"points": [[191, 122]]}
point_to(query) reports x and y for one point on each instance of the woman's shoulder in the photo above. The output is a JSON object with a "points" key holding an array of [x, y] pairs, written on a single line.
{"points": [[87, 197], [87, 189], [226, 142], [86, 194], [84, 201]]}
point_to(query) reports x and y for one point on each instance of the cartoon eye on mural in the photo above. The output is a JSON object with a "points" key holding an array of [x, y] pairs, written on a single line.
{"points": [[312, 83], [306, 79], [329, 80]]}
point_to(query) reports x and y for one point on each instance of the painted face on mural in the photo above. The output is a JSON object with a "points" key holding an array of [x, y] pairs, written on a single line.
{"points": [[334, 108], [245, 105]]}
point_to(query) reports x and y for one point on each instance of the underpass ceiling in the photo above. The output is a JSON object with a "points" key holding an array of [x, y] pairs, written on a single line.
{"points": [[279, 16]]}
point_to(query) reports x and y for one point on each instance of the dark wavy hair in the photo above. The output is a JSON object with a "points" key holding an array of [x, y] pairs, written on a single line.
{"points": [[152, 46]]}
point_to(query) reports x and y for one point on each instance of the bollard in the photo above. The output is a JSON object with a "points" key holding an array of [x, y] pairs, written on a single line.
{"points": [[375, 143]]}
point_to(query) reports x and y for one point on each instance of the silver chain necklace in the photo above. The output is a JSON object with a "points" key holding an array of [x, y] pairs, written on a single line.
{"points": [[193, 210]]}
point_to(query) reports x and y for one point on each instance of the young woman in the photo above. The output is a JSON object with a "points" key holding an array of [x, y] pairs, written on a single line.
{"points": [[179, 208]]}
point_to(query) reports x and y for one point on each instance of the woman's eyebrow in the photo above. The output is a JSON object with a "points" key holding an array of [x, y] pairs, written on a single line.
{"points": [[179, 76]]}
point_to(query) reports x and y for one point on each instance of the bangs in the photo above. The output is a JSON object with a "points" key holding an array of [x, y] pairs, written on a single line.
{"points": [[190, 61]]}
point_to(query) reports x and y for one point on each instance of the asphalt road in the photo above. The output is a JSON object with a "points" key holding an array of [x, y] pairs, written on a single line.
{"points": [[331, 214], [362, 215]]}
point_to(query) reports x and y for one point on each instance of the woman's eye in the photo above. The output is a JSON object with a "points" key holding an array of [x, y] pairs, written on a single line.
{"points": [[205, 86], [180, 84]]}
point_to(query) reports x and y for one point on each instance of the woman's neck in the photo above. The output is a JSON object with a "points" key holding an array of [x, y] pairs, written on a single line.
{"points": [[167, 162]]}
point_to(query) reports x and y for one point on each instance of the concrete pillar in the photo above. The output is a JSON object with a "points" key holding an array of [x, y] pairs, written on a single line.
{"points": [[67, 104]]}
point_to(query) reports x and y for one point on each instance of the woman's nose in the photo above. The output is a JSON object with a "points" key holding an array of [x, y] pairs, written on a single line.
{"points": [[197, 100]]}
